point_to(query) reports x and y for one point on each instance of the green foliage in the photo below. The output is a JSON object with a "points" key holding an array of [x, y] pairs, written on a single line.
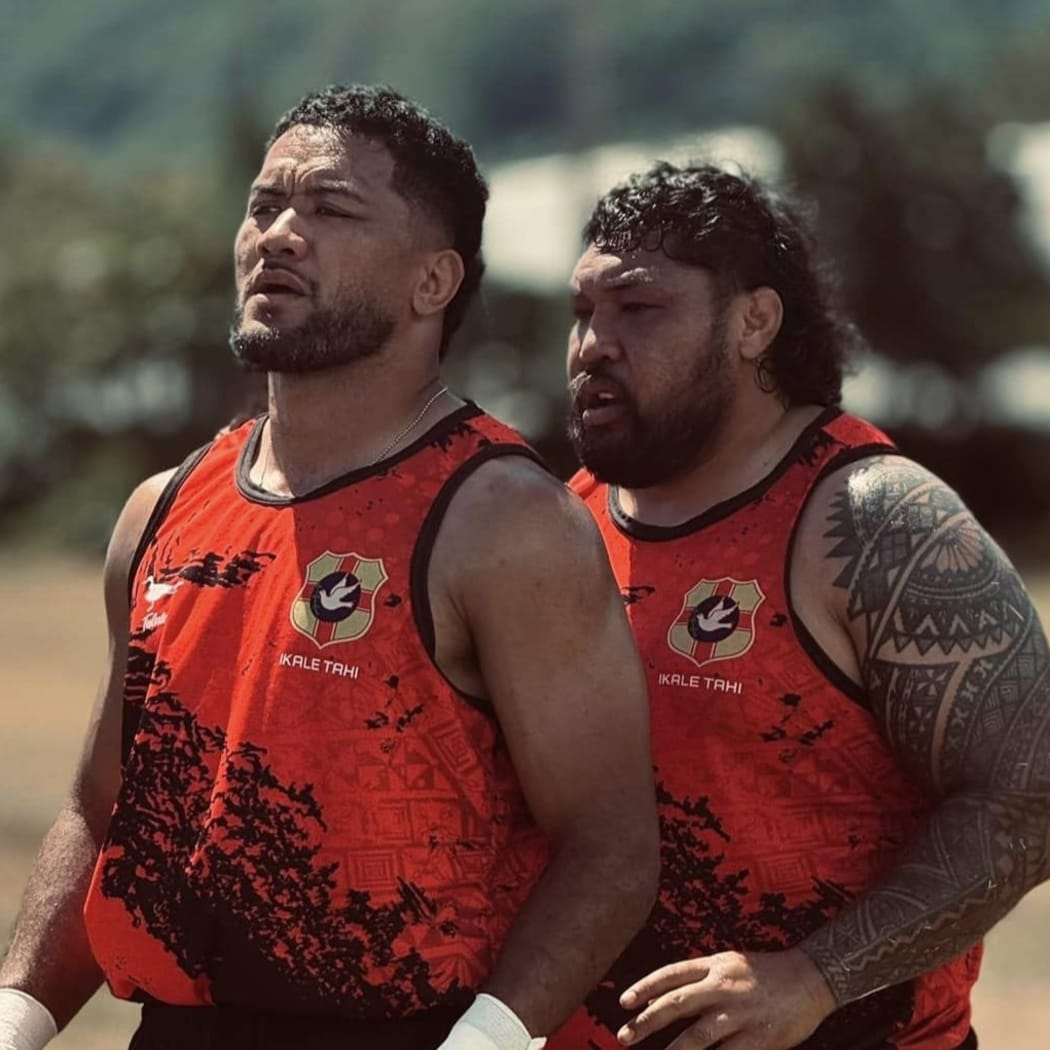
{"points": [[115, 305], [936, 264], [138, 78]]}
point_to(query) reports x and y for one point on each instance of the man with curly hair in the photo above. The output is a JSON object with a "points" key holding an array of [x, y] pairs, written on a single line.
{"points": [[370, 764], [850, 712]]}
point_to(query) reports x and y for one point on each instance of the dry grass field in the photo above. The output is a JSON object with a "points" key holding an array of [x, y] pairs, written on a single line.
{"points": [[52, 643]]}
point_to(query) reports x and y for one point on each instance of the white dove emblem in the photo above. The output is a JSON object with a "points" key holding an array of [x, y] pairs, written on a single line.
{"points": [[717, 618], [340, 595], [155, 590]]}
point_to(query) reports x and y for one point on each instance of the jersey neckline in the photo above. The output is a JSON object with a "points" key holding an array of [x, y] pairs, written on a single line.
{"points": [[255, 494], [640, 530]]}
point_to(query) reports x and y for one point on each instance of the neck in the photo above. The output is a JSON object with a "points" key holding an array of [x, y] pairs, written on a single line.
{"points": [[325, 424], [748, 446]]}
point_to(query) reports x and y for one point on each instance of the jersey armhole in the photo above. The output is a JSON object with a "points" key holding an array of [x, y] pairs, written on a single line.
{"points": [[420, 566], [160, 511], [824, 663]]}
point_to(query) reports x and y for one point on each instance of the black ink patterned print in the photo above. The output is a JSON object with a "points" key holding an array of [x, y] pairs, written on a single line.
{"points": [[229, 881], [702, 910], [636, 592], [215, 570]]}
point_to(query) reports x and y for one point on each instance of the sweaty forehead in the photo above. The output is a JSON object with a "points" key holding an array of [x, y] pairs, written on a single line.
{"points": [[598, 271], [305, 152]]}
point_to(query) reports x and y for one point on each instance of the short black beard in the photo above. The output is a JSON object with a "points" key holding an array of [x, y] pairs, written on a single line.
{"points": [[327, 339], [652, 451]]}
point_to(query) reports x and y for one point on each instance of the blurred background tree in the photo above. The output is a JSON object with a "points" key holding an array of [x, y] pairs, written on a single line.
{"points": [[132, 128]]}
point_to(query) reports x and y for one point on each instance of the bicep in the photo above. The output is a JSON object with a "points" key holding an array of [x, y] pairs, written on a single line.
{"points": [[559, 662], [951, 651]]}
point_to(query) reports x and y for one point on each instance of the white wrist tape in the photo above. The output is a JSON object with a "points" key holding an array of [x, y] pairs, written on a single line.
{"points": [[489, 1025], [25, 1023]]}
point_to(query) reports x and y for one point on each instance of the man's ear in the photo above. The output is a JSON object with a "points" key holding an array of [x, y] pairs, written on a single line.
{"points": [[761, 315], [440, 278]]}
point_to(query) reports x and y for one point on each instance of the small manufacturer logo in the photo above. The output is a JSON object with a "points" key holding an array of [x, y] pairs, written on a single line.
{"points": [[717, 620], [337, 601], [158, 590]]}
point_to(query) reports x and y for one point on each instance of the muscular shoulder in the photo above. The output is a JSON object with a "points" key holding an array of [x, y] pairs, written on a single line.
{"points": [[877, 527], [520, 588], [510, 509], [949, 647]]}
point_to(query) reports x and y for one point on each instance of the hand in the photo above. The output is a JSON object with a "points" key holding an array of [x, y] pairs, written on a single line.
{"points": [[752, 1001]]}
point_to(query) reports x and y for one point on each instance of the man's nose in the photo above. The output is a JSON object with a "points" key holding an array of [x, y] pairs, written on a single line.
{"points": [[596, 344], [284, 236]]}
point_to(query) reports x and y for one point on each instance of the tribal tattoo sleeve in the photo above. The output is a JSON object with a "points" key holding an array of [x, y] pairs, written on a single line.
{"points": [[955, 665]]}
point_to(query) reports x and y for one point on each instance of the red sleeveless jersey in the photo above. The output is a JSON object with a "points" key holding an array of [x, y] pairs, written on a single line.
{"points": [[779, 798], [311, 817]]}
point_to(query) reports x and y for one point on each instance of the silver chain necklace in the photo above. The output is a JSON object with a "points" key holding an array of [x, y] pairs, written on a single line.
{"points": [[386, 450], [404, 433]]}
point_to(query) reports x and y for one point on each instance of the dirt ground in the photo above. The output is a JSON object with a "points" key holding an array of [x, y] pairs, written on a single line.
{"points": [[52, 644]]}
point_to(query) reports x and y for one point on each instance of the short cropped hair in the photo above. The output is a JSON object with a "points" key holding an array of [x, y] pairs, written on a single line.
{"points": [[433, 168], [749, 236]]}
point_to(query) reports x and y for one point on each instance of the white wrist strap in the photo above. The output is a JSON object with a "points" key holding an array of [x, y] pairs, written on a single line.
{"points": [[489, 1024], [25, 1023]]}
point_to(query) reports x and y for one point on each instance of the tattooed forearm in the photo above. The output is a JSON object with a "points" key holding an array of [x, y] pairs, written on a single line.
{"points": [[971, 864], [956, 668]]}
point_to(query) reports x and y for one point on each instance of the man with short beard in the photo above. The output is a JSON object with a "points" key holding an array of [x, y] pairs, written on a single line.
{"points": [[370, 765], [848, 682]]}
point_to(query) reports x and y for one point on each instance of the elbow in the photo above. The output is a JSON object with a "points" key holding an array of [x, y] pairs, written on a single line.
{"points": [[630, 867]]}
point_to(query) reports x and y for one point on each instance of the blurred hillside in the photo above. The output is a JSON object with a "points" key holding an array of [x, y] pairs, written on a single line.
{"points": [[133, 79], [129, 130]]}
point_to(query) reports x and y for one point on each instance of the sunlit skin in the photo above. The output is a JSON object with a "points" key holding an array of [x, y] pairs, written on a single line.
{"points": [[641, 320], [321, 215], [324, 221]]}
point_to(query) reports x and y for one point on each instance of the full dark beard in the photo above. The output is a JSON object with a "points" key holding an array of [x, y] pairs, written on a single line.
{"points": [[639, 452], [327, 339]]}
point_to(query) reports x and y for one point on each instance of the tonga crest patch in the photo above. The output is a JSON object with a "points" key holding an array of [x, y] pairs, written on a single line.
{"points": [[717, 621], [337, 601]]}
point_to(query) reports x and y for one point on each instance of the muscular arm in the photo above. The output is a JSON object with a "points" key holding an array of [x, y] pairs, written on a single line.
{"points": [[955, 664], [49, 955], [530, 582]]}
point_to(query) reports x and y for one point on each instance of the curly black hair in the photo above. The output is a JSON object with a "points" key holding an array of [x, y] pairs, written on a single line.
{"points": [[749, 237], [432, 168]]}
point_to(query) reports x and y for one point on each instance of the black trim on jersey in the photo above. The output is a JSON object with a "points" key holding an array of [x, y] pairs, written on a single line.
{"points": [[424, 548], [250, 491], [970, 1042], [161, 508], [824, 663], [854, 453], [662, 533]]}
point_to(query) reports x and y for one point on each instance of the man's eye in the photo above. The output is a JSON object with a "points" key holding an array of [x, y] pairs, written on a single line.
{"points": [[333, 213], [263, 209], [636, 308]]}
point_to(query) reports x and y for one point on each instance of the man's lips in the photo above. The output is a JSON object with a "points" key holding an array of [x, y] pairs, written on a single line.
{"points": [[276, 282], [598, 400]]}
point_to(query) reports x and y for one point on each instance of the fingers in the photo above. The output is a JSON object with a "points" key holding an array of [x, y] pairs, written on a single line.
{"points": [[663, 980], [679, 1003]]}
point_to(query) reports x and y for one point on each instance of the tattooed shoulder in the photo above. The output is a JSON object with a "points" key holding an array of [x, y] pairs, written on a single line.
{"points": [[950, 649]]}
